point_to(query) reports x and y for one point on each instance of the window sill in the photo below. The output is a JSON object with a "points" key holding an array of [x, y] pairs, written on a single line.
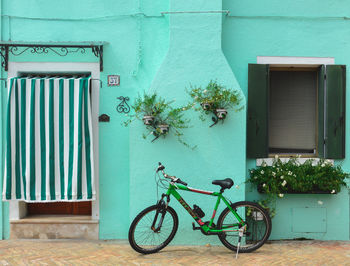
{"points": [[269, 161]]}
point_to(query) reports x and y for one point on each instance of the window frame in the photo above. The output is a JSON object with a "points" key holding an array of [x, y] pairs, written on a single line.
{"points": [[333, 120]]}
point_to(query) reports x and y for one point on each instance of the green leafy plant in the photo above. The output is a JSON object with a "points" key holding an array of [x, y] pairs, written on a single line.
{"points": [[213, 98], [290, 176], [159, 117]]}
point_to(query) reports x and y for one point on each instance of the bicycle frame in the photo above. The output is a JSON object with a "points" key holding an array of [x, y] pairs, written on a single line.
{"points": [[204, 227]]}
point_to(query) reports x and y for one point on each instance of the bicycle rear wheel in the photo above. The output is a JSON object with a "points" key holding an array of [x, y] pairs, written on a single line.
{"points": [[258, 226], [145, 239]]}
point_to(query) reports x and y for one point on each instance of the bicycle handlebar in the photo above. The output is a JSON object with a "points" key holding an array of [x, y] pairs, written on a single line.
{"points": [[173, 178]]}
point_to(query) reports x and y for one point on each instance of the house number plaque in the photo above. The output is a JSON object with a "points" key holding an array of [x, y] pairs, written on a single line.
{"points": [[113, 80]]}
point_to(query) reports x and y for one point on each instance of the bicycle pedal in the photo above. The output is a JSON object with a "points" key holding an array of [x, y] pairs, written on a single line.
{"points": [[194, 227]]}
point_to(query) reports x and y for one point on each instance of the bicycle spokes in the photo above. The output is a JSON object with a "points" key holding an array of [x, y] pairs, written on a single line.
{"points": [[249, 235]]}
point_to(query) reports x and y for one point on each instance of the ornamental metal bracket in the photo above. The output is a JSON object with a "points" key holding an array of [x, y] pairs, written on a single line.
{"points": [[64, 49], [123, 106]]}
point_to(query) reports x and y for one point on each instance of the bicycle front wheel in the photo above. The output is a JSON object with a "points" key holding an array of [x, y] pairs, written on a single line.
{"points": [[258, 226], [153, 229]]}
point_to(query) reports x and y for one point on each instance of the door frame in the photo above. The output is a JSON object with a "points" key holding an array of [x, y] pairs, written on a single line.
{"points": [[18, 209]]}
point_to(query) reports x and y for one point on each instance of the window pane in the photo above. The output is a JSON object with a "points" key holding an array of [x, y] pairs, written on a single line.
{"points": [[292, 118]]}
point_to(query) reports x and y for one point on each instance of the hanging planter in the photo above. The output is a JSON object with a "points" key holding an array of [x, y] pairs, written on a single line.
{"points": [[206, 106], [148, 120], [216, 100], [159, 117], [163, 129], [221, 113]]}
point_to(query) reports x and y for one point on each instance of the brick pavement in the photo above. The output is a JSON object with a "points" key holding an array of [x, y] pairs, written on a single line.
{"points": [[75, 252]]}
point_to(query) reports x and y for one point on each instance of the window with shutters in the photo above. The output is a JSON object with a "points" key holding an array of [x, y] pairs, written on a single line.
{"points": [[296, 110]]}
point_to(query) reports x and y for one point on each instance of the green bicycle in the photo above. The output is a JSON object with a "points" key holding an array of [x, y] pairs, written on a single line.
{"points": [[242, 226]]}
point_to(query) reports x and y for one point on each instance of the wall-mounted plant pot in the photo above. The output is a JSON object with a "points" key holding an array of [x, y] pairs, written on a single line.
{"points": [[206, 106], [163, 128], [221, 113], [148, 120]]}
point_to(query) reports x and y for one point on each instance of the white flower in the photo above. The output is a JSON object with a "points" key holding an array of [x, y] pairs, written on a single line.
{"points": [[251, 171], [323, 165], [282, 176], [277, 169], [284, 183], [276, 156], [264, 185], [273, 173], [295, 175], [196, 97], [263, 164], [329, 162], [290, 173], [184, 109], [333, 191], [320, 202], [237, 186], [262, 172], [205, 91], [281, 195], [255, 177]]}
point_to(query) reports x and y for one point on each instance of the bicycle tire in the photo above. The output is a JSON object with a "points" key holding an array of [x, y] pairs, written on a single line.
{"points": [[251, 215], [149, 234]]}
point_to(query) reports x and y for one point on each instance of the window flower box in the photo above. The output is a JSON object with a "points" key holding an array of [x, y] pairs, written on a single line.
{"points": [[293, 177]]}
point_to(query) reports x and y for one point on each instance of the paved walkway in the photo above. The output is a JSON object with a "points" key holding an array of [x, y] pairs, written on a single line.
{"points": [[72, 252]]}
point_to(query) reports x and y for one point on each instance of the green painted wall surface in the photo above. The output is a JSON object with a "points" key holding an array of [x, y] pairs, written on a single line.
{"points": [[194, 57], [167, 53], [292, 28]]}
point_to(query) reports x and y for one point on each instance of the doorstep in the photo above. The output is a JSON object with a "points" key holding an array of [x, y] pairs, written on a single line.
{"points": [[55, 227]]}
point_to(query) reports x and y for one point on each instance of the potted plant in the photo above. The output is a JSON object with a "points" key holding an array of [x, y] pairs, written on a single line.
{"points": [[147, 108], [215, 99], [291, 176], [159, 116]]}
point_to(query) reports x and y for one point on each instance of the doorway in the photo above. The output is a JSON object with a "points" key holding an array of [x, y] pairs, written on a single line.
{"points": [[60, 208]]}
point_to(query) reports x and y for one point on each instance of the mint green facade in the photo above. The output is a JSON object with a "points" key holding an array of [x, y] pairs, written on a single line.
{"points": [[153, 49]]}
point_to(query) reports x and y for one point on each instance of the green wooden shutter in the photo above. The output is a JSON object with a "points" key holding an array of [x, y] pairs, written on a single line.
{"points": [[335, 111], [258, 103], [320, 115]]}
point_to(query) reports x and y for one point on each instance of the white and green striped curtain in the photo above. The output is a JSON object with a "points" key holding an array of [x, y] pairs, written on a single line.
{"points": [[49, 142]]}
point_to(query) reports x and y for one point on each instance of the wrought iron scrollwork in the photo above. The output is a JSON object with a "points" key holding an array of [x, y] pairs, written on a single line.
{"points": [[60, 50], [123, 106], [4, 56]]}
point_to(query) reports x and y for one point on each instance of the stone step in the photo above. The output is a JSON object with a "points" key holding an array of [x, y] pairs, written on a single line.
{"points": [[54, 227]]}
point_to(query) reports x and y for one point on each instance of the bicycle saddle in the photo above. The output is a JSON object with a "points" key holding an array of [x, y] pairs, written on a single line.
{"points": [[224, 183]]}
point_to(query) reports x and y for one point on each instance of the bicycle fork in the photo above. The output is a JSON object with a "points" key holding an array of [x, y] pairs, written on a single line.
{"points": [[162, 206]]}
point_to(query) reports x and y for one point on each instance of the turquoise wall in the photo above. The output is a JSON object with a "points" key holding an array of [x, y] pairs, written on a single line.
{"points": [[292, 28], [194, 57], [166, 53]]}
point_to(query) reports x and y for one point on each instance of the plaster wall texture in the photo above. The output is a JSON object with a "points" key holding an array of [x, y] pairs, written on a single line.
{"points": [[167, 53], [292, 28], [194, 57]]}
